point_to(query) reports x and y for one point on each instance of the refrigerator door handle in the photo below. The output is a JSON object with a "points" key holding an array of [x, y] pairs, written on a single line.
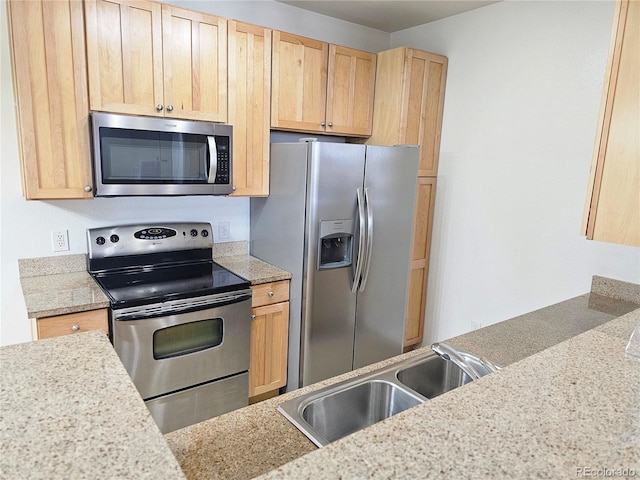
{"points": [[361, 241], [367, 264]]}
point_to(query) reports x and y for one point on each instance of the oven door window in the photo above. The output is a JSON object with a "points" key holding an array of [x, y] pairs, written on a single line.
{"points": [[187, 338], [142, 157]]}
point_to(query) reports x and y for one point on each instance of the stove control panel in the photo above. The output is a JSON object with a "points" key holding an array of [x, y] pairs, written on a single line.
{"points": [[123, 240]]}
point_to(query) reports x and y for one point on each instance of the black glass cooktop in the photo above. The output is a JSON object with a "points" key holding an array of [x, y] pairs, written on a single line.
{"points": [[148, 285]]}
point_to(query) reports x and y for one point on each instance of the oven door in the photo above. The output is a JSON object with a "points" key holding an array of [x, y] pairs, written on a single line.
{"points": [[197, 341]]}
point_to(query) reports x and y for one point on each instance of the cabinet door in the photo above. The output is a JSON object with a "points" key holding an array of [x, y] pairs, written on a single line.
{"points": [[299, 83], [268, 356], [423, 105], [194, 64], [612, 212], [72, 323], [124, 55], [249, 106], [419, 267], [47, 40], [350, 88]]}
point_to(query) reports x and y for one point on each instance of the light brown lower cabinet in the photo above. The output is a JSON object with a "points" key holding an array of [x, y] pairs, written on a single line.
{"points": [[48, 327], [269, 339], [419, 267]]}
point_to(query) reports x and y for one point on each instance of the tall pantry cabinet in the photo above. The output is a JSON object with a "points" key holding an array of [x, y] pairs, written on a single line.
{"points": [[408, 106]]}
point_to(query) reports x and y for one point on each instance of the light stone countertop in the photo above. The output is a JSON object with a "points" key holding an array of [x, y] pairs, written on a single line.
{"points": [[257, 439], [555, 414], [68, 410], [60, 284]]}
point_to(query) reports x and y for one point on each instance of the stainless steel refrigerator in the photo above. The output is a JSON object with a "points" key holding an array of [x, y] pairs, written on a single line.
{"points": [[339, 217]]}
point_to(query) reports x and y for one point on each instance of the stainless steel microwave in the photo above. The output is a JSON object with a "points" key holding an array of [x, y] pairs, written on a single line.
{"points": [[135, 155]]}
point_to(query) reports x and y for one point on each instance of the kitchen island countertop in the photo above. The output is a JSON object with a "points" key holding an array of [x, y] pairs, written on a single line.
{"points": [[443, 434]]}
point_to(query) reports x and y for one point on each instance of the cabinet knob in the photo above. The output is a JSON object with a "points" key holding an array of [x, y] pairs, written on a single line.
{"points": [[322, 124], [233, 188], [253, 317], [169, 108], [88, 188], [75, 328], [270, 294], [331, 124], [159, 107]]}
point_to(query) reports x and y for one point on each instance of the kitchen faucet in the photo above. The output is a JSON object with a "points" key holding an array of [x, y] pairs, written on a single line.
{"points": [[474, 366]]}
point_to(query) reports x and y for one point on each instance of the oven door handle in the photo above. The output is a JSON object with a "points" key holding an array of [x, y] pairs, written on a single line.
{"points": [[213, 159], [180, 306]]}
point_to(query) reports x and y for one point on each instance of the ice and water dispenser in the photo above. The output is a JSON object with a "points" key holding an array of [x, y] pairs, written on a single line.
{"points": [[335, 244]]}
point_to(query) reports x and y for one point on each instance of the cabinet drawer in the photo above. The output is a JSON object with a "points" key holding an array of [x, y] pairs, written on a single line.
{"points": [[268, 293], [72, 323]]}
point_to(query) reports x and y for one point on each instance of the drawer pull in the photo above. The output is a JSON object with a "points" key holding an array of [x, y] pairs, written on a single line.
{"points": [[271, 293], [75, 328]]}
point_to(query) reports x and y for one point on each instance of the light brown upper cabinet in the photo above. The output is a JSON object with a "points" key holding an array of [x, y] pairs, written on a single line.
{"points": [[249, 106], [612, 210], [49, 70], [321, 88], [410, 86], [146, 58]]}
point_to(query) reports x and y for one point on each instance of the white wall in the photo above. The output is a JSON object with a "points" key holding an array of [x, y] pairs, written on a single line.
{"points": [[25, 226], [522, 100]]}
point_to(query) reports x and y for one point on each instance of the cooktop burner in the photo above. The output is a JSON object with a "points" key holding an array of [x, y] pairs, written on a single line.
{"points": [[136, 265]]}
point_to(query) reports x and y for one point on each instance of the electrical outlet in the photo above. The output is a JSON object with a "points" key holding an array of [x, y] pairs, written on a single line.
{"points": [[60, 240], [224, 231]]}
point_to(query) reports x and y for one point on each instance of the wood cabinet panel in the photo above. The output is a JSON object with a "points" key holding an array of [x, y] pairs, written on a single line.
{"points": [[194, 64], [612, 211], [250, 106], [49, 69], [268, 359], [267, 293], [419, 268], [350, 89], [409, 103], [299, 82], [48, 327], [124, 55]]}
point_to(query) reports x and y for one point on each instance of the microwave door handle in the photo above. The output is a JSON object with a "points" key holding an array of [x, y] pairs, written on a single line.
{"points": [[213, 159]]}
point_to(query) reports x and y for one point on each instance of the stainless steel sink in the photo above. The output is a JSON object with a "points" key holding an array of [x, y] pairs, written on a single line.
{"points": [[432, 376], [338, 410]]}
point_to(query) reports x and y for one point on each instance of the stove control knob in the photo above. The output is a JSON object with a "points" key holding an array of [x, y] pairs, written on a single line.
{"points": [[114, 238], [194, 232], [204, 233], [100, 240]]}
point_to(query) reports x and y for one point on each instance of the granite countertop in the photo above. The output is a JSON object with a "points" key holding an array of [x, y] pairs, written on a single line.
{"points": [[256, 440], [59, 285], [68, 410]]}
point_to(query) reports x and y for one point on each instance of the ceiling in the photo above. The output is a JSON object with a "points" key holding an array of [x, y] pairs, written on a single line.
{"points": [[389, 15]]}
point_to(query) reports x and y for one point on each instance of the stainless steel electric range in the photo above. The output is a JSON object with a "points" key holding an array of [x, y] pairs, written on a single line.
{"points": [[179, 321]]}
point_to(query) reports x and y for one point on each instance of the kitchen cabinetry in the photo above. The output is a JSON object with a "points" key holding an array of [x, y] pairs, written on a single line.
{"points": [[321, 88], [408, 106], [147, 58], [612, 210], [249, 106], [419, 267], [269, 336], [409, 102], [48, 327], [49, 70]]}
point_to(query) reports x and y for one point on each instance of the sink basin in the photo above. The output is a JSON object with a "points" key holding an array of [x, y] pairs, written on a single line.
{"points": [[432, 376], [348, 410], [333, 412]]}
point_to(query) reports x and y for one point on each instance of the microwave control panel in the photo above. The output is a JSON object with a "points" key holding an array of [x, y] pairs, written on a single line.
{"points": [[223, 171]]}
